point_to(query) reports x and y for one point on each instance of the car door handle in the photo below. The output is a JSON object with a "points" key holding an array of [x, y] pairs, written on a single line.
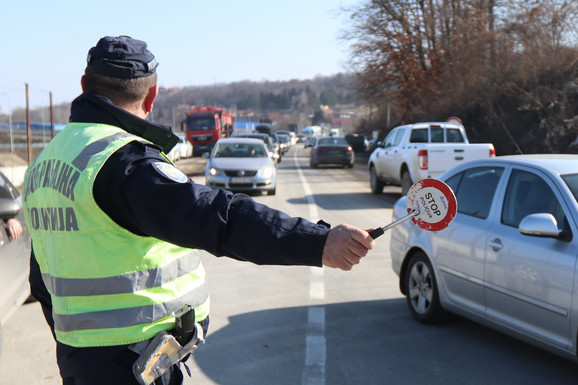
{"points": [[496, 244]]}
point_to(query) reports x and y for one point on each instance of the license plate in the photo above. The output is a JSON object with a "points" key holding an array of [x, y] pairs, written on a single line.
{"points": [[241, 180]]}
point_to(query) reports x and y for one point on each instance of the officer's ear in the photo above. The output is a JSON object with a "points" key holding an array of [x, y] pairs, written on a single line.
{"points": [[83, 83], [149, 100]]}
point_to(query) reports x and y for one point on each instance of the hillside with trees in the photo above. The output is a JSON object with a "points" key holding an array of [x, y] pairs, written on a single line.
{"points": [[509, 70], [298, 102]]}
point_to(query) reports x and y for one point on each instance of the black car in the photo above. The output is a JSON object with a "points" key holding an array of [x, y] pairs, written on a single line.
{"points": [[357, 142], [331, 150]]}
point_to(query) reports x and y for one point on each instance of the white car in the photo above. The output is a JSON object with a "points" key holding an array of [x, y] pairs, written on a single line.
{"points": [[186, 147], [241, 164], [181, 150], [509, 259]]}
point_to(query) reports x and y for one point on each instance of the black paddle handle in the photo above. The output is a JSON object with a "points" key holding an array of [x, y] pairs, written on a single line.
{"points": [[376, 233]]}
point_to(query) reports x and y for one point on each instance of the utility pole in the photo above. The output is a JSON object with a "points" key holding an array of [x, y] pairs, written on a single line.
{"points": [[51, 116], [28, 127]]}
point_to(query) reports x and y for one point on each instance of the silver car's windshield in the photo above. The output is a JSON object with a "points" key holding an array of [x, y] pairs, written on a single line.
{"points": [[571, 181], [234, 150]]}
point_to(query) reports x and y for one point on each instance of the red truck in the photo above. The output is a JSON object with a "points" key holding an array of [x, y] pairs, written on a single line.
{"points": [[205, 125]]}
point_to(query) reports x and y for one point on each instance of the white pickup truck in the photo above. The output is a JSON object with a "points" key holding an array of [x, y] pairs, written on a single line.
{"points": [[417, 151]]}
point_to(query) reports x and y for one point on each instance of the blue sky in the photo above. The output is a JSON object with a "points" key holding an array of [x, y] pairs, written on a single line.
{"points": [[44, 43]]}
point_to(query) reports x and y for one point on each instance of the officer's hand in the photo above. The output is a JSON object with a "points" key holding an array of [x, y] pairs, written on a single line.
{"points": [[345, 247], [14, 228]]}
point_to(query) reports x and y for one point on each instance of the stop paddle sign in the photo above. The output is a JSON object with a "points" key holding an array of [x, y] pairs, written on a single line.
{"points": [[431, 205]]}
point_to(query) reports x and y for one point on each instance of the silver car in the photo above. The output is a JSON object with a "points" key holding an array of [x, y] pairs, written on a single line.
{"points": [[14, 254], [509, 258], [241, 164]]}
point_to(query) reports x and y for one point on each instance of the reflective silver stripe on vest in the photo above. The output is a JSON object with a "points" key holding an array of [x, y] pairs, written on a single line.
{"points": [[89, 151], [128, 317], [126, 283]]}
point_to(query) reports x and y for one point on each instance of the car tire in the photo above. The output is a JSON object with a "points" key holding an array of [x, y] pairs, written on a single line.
{"points": [[272, 192], [406, 182], [374, 182], [421, 290], [313, 165]]}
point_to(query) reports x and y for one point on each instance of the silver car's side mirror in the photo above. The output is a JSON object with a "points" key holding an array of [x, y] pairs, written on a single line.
{"points": [[8, 208], [540, 225]]}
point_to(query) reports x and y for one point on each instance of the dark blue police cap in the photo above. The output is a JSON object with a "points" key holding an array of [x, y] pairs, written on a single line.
{"points": [[121, 57]]}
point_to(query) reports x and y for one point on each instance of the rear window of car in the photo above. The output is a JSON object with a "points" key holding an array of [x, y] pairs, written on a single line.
{"points": [[437, 134], [419, 135], [333, 142], [454, 135]]}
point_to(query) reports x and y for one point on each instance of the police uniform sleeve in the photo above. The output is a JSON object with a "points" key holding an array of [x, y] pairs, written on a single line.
{"points": [[150, 198]]}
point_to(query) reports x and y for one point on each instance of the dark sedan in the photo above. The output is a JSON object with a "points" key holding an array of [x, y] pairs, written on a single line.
{"points": [[331, 150]]}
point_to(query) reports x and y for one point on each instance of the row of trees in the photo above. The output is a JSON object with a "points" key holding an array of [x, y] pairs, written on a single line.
{"points": [[508, 69], [294, 97], [300, 98]]}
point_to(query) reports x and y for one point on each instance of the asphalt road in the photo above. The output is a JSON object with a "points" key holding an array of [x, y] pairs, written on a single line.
{"points": [[300, 325]]}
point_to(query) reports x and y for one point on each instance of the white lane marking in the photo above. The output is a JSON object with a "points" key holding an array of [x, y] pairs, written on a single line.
{"points": [[315, 344]]}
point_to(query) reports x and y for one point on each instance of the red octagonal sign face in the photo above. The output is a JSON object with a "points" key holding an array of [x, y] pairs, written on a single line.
{"points": [[435, 202]]}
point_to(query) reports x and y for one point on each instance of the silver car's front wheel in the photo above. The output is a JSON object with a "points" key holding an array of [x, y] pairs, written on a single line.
{"points": [[421, 290]]}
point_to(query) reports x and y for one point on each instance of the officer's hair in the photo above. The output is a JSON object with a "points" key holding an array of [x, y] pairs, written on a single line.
{"points": [[121, 92]]}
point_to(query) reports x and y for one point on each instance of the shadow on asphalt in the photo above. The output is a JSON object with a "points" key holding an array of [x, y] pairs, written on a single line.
{"points": [[374, 342], [351, 201]]}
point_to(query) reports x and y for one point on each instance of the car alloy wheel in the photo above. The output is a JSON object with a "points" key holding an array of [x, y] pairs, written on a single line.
{"points": [[421, 290]]}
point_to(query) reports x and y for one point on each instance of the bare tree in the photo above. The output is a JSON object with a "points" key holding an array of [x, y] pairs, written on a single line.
{"points": [[495, 62]]}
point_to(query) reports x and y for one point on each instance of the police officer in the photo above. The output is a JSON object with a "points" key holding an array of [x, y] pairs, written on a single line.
{"points": [[115, 226]]}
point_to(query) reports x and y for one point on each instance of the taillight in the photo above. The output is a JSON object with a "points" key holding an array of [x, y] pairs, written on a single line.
{"points": [[349, 149], [422, 159], [321, 149], [492, 152]]}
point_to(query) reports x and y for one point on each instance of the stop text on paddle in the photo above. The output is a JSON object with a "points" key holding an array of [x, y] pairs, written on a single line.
{"points": [[431, 205]]}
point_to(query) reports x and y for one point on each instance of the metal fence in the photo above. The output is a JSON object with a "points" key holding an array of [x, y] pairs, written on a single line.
{"points": [[16, 152]]}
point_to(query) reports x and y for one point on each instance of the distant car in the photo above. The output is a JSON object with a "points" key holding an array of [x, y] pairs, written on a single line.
{"points": [[175, 153], [331, 150], [372, 145], [309, 141], [509, 259], [284, 141], [357, 142], [292, 136], [274, 150], [14, 254], [241, 164], [182, 150], [186, 147]]}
